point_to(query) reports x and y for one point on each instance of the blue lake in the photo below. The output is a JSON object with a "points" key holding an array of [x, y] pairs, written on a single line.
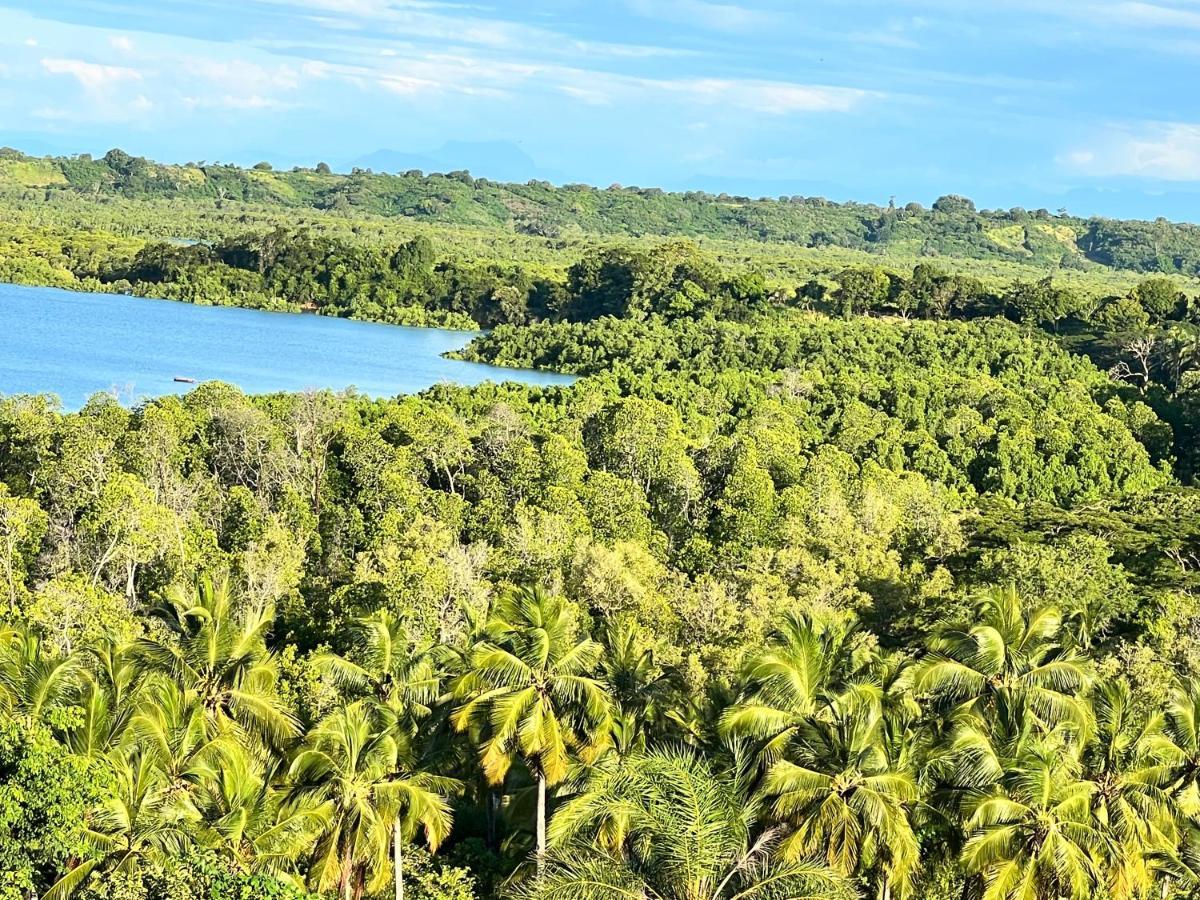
{"points": [[73, 345]]}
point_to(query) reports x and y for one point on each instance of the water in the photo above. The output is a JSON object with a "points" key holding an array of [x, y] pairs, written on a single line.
{"points": [[73, 345]]}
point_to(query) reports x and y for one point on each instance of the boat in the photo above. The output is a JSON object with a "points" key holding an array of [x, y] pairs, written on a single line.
{"points": [[184, 380]]}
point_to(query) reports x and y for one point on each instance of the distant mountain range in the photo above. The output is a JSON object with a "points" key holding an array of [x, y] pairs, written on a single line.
{"points": [[495, 160]]}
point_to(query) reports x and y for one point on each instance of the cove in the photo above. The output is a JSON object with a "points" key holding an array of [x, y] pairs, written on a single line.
{"points": [[75, 344]]}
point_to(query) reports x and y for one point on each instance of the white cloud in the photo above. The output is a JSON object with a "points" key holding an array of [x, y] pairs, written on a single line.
{"points": [[1151, 15], [234, 102], [241, 77], [31, 42], [1168, 151], [478, 76], [122, 43], [773, 97], [590, 96], [713, 16], [460, 24], [91, 76]]}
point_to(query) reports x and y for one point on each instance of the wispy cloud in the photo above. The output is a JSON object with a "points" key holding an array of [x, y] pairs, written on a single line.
{"points": [[91, 76], [1150, 15], [1167, 151], [468, 74], [242, 77], [773, 97], [713, 16]]}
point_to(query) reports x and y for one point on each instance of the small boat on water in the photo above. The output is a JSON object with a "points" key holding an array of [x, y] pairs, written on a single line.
{"points": [[184, 380]]}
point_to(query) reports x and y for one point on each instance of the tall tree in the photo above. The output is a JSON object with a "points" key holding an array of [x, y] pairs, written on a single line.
{"points": [[530, 691], [847, 801], [1010, 657], [218, 657], [668, 825], [354, 761], [1035, 836]]}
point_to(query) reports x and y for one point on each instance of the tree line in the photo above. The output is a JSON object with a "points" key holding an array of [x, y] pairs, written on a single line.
{"points": [[951, 227]]}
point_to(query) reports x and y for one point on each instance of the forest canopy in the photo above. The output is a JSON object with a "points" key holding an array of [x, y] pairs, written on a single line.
{"points": [[863, 576]]}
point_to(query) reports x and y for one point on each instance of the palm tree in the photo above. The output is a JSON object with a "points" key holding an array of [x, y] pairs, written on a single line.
{"points": [[32, 679], [220, 658], [108, 697], [171, 729], [1035, 836], [529, 693], [1009, 659], [387, 666], [808, 664], [846, 800], [1125, 761], [139, 823], [1179, 742], [247, 820], [355, 762], [668, 826], [643, 693]]}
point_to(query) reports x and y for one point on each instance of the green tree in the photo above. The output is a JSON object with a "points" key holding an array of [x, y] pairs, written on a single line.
{"points": [[847, 800], [530, 691], [670, 826], [22, 526], [387, 666], [45, 793], [355, 762], [218, 656], [810, 663], [1036, 836], [1011, 658]]}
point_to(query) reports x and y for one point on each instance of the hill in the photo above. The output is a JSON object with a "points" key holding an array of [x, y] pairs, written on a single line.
{"points": [[953, 227]]}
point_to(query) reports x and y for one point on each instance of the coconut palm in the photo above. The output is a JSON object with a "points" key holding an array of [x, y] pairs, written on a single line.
{"points": [[529, 692], [1131, 804], [642, 692], [667, 825], [108, 698], [219, 656], [355, 762], [246, 819], [846, 800], [387, 666], [1035, 835], [1009, 659], [171, 729], [1179, 741], [34, 678], [809, 663], [139, 823]]}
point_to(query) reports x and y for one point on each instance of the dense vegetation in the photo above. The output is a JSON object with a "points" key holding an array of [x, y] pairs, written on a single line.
{"points": [[869, 578], [951, 227]]}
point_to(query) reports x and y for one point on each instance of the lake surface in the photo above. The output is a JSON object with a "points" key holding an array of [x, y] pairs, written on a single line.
{"points": [[73, 345]]}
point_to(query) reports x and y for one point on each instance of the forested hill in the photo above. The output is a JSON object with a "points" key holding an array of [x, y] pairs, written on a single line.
{"points": [[952, 227]]}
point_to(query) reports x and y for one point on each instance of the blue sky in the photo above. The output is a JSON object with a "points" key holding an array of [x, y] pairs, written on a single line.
{"points": [[1089, 104]]}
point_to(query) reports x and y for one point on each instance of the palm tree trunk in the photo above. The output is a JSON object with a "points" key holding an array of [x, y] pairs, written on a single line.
{"points": [[541, 823], [398, 860], [346, 888], [492, 804]]}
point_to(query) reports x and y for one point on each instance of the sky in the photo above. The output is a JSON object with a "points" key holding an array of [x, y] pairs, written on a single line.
{"points": [[1092, 105]]}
